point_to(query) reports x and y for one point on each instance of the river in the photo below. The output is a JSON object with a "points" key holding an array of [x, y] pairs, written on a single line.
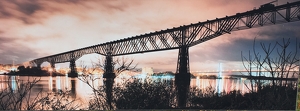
{"points": [[81, 89]]}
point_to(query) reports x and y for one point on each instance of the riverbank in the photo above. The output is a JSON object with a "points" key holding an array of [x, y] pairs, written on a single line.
{"points": [[34, 71]]}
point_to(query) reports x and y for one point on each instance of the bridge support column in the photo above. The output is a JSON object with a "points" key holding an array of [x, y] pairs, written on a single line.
{"points": [[52, 66], [109, 67], [182, 77], [109, 76], [73, 72], [38, 65]]}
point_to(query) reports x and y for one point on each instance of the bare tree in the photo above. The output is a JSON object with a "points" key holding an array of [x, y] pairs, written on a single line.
{"points": [[18, 96], [88, 70], [120, 64], [102, 95], [275, 62]]}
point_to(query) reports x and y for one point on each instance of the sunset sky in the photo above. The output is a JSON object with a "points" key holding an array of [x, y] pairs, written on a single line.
{"points": [[32, 29]]}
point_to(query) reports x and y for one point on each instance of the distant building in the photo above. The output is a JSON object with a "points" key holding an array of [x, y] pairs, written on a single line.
{"points": [[147, 70], [9, 67]]}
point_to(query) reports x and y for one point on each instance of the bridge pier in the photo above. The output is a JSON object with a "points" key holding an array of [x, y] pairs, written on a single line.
{"points": [[182, 77], [73, 72], [52, 63], [109, 76], [109, 67], [38, 65]]}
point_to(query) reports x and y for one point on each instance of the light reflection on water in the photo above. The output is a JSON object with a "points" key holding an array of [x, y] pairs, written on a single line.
{"points": [[221, 85], [81, 90]]}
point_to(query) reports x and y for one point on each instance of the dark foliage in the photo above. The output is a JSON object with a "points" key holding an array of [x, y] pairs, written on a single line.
{"points": [[33, 71], [264, 100], [147, 95], [162, 95]]}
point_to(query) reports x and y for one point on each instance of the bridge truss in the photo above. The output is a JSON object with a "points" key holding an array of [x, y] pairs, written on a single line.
{"points": [[182, 37]]}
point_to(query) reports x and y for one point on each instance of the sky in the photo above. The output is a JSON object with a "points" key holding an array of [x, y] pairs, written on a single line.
{"points": [[32, 29]]}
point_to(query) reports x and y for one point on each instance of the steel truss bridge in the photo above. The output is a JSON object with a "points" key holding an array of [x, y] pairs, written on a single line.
{"points": [[182, 37]]}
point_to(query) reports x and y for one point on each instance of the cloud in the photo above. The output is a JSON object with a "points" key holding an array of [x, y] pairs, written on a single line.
{"points": [[21, 10], [16, 52], [28, 7]]}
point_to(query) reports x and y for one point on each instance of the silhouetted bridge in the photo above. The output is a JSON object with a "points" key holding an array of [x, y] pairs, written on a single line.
{"points": [[181, 37]]}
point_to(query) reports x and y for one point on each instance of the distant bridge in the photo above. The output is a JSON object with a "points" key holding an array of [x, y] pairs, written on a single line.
{"points": [[181, 37]]}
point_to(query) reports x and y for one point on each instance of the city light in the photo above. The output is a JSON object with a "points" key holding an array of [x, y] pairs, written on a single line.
{"points": [[50, 69]]}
